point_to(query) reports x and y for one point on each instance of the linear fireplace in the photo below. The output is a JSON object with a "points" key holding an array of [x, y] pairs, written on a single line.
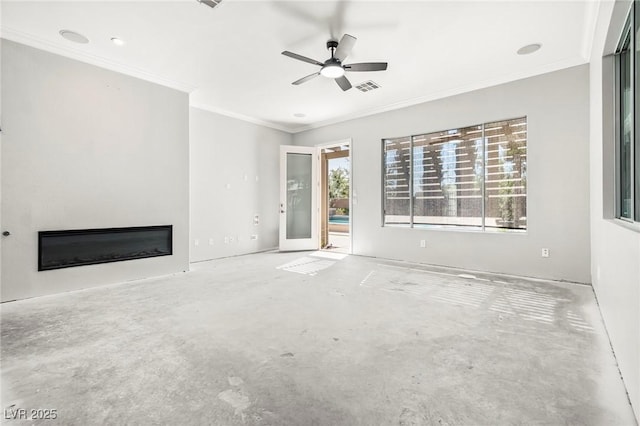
{"points": [[77, 247]]}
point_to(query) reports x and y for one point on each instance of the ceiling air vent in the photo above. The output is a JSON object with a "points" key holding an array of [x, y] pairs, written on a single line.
{"points": [[210, 3], [367, 86]]}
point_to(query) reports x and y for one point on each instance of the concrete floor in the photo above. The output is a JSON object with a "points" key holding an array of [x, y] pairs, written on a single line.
{"points": [[339, 242], [297, 339]]}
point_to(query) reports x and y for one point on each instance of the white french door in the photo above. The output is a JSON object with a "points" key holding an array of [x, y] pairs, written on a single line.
{"points": [[298, 198]]}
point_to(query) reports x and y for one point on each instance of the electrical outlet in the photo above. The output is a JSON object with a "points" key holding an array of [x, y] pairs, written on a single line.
{"points": [[226, 240], [423, 243], [545, 252], [196, 242], [256, 219], [210, 241]]}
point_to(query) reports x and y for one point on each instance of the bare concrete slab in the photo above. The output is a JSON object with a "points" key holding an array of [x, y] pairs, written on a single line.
{"points": [[301, 339]]}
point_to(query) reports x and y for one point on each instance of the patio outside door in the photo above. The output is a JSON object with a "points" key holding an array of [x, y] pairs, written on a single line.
{"points": [[298, 198]]}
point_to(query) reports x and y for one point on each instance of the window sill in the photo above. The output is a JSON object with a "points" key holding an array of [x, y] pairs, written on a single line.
{"points": [[634, 226], [453, 228]]}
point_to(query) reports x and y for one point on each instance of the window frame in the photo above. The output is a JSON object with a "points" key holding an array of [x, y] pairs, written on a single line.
{"points": [[628, 33], [447, 227]]}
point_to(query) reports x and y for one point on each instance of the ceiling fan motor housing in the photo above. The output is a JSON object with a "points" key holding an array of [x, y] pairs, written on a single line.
{"points": [[332, 62], [332, 44]]}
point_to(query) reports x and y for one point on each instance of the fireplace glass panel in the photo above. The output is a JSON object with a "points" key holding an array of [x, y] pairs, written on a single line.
{"points": [[63, 249]]}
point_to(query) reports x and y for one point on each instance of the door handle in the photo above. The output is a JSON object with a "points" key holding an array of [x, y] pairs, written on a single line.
{"points": [[6, 233]]}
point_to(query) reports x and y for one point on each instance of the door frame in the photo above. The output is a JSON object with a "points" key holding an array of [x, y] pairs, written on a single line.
{"points": [[319, 147]]}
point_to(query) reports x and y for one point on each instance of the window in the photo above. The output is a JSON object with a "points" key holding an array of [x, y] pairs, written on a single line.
{"points": [[470, 177], [506, 174], [447, 178], [627, 102], [397, 174]]}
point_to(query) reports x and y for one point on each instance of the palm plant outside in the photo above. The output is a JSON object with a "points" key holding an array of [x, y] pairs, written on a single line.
{"points": [[339, 187]]}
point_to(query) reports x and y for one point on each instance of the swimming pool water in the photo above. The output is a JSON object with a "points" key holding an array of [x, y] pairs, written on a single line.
{"points": [[339, 219]]}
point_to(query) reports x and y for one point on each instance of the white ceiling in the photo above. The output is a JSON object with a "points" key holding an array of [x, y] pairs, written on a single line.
{"points": [[229, 57]]}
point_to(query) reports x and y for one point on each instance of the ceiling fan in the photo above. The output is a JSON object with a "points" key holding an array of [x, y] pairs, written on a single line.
{"points": [[333, 67]]}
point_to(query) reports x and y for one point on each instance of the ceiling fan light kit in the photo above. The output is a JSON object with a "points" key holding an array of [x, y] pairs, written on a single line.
{"points": [[332, 71], [333, 67]]}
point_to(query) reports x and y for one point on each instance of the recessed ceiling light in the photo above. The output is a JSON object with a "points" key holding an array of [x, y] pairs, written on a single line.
{"points": [[299, 115], [529, 48], [117, 41], [74, 36]]}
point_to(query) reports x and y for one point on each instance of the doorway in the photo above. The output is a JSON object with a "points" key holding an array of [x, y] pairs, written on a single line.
{"points": [[335, 197]]}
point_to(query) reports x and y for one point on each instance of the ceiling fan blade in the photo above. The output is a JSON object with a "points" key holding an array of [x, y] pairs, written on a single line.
{"points": [[366, 66], [343, 82], [344, 47], [301, 58], [307, 78]]}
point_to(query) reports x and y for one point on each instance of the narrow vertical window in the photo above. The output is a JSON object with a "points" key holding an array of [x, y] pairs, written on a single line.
{"points": [[627, 200], [506, 174], [636, 160], [626, 128], [397, 180]]}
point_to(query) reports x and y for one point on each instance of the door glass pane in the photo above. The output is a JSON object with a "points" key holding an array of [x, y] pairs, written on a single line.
{"points": [[506, 174], [447, 179], [626, 124], [299, 186], [397, 173]]}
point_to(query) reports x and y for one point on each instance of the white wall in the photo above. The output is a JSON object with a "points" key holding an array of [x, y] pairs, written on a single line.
{"points": [[84, 147], [557, 107], [615, 253], [233, 176], [1, 123]]}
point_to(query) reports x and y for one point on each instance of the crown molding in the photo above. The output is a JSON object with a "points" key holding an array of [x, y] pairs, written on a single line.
{"points": [[555, 66], [30, 40], [242, 117], [591, 17], [77, 54]]}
